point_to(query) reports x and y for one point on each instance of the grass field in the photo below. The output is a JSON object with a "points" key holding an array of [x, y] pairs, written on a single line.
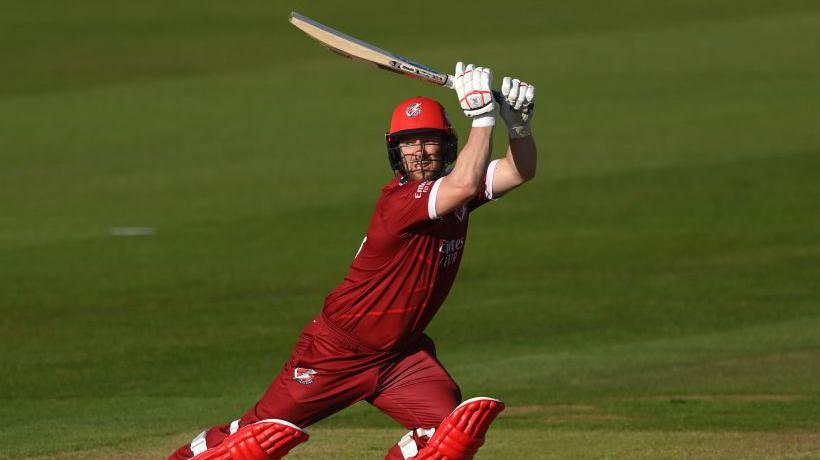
{"points": [[654, 293]]}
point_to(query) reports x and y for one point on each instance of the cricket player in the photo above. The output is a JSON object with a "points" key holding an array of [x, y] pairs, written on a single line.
{"points": [[368, 342]]}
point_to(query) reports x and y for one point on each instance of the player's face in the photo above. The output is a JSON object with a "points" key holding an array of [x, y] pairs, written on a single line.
{"points": [[422, 156]]}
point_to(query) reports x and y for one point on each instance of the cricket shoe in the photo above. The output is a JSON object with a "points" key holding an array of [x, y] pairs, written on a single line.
{"points": [[269, 439], [462, 432]]}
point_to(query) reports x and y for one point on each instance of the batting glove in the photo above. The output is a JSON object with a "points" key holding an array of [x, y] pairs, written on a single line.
{"points": [[517, 106], [472, 84]]}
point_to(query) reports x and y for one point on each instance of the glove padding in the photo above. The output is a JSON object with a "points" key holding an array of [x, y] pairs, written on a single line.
{"points": [[517, 106], [473, 86]]}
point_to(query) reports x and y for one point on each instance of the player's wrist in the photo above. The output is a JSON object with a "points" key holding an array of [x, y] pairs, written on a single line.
{"points": [[519, 132], [484, 120]]}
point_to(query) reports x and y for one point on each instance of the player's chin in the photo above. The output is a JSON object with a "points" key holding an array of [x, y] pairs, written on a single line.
{"points": [[424, 175]]}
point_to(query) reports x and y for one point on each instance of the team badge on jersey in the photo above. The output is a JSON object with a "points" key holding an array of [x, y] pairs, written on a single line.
{"points": [[413, 110], [304, 375]]}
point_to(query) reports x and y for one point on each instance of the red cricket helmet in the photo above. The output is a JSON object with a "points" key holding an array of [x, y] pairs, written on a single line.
{"points": [[420, 115]]}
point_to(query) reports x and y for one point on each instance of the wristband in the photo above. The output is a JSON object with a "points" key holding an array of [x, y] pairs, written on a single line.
{"points": [[484, 120]]}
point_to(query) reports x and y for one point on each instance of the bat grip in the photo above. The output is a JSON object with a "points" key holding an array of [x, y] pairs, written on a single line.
{"points": [[449, 84]]}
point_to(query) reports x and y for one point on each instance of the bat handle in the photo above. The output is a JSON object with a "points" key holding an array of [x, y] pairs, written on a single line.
{"points": [[449, 84]]}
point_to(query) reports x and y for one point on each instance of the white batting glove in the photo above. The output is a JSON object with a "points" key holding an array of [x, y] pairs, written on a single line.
{"points": [[472, 84], [517, 106]]}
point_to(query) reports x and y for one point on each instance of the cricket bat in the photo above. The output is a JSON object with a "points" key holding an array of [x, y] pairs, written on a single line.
{"points": [[351, 47]]}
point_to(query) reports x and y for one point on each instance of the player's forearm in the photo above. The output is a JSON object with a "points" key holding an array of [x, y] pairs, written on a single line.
{"points": [[522, 157], [472, 85], [517, 166], [471, 165], [517, 108]]}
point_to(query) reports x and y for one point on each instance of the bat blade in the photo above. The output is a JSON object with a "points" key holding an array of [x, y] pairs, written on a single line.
{"points": [[354, 48]]}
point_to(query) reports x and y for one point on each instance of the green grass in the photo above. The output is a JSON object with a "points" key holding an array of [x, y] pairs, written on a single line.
{"points": [[652, 294]]}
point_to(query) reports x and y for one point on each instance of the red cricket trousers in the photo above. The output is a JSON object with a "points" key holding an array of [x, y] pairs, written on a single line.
{"points": [[328, 371]]}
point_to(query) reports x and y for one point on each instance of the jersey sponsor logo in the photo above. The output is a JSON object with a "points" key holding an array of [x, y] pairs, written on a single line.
{"points": [[423, 188], [450, 250], [413, 110], [304, 375]]}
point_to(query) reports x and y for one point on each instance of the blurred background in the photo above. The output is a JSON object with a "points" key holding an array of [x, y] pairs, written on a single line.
{"points": [[182, 182]]}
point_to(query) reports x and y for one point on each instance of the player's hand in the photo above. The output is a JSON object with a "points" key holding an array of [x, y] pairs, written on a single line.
{"points": [[517, 106], [473, 86]]}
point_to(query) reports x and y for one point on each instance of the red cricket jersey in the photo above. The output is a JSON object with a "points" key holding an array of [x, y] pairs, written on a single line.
{"points": [[405, 267]]}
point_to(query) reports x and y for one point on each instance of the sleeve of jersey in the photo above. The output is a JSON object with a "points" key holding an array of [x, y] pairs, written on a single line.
{"points": [[485, 195], [411, 205]]}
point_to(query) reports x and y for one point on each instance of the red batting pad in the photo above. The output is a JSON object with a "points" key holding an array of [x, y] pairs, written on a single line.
{"points": [[461, 434], [264, 440]]}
